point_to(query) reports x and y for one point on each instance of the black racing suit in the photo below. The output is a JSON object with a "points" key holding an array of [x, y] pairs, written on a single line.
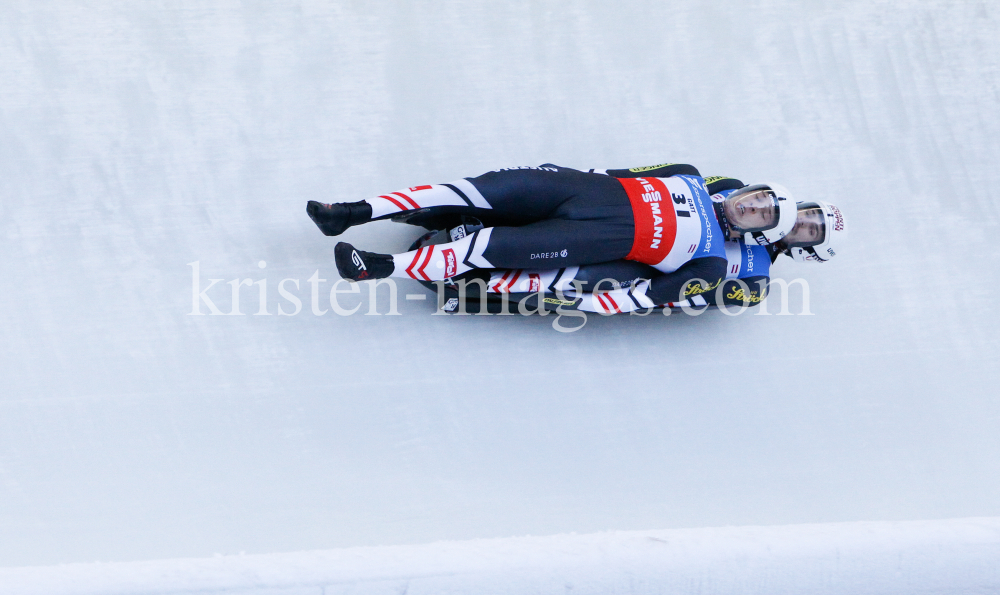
{"points": [[587, 205], [571, 217]]}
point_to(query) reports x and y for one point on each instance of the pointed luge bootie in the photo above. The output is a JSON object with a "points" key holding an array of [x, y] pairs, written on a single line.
{"points": [[358, 265], [335, 218]]}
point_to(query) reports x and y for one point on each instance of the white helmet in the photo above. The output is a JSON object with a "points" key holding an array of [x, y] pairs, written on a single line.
{"points": [[784, 204], [832, 230]]}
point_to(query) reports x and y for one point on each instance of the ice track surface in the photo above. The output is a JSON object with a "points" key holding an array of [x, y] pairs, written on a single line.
{"points": [[136, 139]]}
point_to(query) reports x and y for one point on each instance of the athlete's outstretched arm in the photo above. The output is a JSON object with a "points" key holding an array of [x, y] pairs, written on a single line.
{"points": [[733, 293], [665, 170], [717, 184], [697, 277]]}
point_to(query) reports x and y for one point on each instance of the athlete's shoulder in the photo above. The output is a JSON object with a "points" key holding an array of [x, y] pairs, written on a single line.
{"points": [[717, 184]]}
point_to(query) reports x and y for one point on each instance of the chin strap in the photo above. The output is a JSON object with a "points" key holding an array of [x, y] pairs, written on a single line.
{"points": [[760, 238], [720, 214], [778, 248]]}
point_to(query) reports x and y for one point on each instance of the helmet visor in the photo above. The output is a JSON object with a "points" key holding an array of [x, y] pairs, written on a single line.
{"points": [[810, 227], [754, 208]]}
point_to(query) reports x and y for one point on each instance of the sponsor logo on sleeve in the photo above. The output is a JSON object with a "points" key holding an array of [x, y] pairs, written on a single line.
{"points": [[739, 294], [534, 283], [457, 233], [694, 289], [648, 167], [540, 168], [450, 263], [557, 302]]}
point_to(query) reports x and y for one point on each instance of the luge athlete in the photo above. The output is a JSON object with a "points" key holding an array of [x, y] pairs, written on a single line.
{"points": [[619, 286], [616, 287], [555, 217]]}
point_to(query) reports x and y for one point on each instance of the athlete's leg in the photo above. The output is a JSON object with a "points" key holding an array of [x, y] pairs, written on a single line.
{"points": [[459, 196], [606, 288], [506, 197], [621, 286], [604, 276], [443, 261], [518, 196], [552, 242], [546, 243], [531, 280]]}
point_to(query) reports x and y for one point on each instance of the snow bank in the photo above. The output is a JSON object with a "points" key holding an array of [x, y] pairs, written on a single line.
{"points": [[946, 556]]}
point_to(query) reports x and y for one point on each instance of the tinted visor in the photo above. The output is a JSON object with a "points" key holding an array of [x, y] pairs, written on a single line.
{"points": [[755, 208], [810, 227]]}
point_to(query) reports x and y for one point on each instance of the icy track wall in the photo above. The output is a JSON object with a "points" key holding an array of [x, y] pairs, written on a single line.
{"points": [[869, 558], [135, 139]]}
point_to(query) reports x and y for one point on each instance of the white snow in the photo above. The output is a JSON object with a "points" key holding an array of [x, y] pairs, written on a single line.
{"points": [[955, 556], [136, 138]]}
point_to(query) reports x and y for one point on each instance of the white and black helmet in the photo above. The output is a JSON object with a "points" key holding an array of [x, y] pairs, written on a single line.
{"points": [[821, 234], [784, 205]]}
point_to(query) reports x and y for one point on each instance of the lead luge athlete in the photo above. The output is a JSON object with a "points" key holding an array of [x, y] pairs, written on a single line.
{"points": [[616, 287], [552, 216]]}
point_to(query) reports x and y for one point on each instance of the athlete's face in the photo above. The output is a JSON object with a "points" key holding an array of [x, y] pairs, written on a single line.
{"points": [[808, 230], [753, 211]]}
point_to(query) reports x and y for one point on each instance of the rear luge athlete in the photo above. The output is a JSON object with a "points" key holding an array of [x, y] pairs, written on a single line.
{"points": [[557, 217]]}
